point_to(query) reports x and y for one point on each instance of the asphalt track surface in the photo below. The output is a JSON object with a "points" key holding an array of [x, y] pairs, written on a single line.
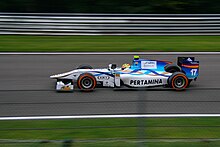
{"points": [[26, 90]]}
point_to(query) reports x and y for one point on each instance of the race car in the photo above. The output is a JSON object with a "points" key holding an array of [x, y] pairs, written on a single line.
{"points": [[141, 73]]}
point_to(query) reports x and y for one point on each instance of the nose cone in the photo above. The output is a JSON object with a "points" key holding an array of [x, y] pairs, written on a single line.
{"points": [[54, 76], [62, 75]]}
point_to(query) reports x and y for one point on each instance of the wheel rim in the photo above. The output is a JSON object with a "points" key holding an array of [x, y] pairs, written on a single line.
{"points": [[179, 82], [87, 83]]}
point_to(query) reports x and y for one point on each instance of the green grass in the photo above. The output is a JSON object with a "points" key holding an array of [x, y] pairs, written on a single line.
{"points": [[92, 129], [109, 43], [118, 144]]}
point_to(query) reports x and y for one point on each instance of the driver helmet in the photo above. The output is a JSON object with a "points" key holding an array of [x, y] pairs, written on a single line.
{"points": [[126, 65], [136, 57]]}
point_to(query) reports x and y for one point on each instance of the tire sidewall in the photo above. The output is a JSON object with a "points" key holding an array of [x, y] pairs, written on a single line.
{"points": [[178, 76], [86, 77]]}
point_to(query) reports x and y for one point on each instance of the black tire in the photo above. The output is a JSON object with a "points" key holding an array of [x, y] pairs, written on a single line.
{"points": [[84, 66], [86, 82], [172, 68], [178, 81]]}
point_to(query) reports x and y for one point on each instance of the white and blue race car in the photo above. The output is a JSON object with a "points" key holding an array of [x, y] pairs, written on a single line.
{"points": [[141, 73]]}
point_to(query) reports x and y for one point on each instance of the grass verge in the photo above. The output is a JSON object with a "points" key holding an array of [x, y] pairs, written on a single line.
{"points": [[109, 43], [118, 144], [114, 129]]}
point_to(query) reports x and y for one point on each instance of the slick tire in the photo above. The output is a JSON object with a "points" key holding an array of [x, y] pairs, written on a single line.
{"points": [[86, 82], [172, 68], [178, 81], [84, 66]]}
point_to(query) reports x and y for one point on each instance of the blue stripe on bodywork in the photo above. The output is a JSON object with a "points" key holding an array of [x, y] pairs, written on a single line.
{"points": [[132, 72], [157, 73], [100, 73], [136, 70]]}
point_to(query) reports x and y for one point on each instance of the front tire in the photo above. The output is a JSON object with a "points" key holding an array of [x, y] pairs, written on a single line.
{"points": [[86, 82], [84, 66], [178, 81]]}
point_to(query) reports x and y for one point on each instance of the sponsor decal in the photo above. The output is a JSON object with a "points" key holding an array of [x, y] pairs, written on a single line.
{"points": [[103, 77], [146, 82], [149, 64], [117, 75], [66, 88]]}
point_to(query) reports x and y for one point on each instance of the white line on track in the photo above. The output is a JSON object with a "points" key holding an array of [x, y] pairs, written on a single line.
{"points": [[110, 116], [109, 53]]}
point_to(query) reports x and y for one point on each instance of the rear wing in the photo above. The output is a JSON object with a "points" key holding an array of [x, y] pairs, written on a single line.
{"points": [[189, 66]]}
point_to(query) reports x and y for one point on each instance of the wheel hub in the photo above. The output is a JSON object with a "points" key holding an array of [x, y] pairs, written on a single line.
{"points": [[87, 83], [179, 82]]}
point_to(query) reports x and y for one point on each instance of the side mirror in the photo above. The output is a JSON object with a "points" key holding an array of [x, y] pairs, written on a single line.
{"points": [[112, 66]]}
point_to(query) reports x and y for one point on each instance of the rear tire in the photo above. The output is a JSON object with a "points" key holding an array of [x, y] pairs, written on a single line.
{"points": [[86, 82], [172, 68], [178, 81]]}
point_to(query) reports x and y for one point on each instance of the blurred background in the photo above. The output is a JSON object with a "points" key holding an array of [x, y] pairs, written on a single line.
{"points": [[112, 6]]}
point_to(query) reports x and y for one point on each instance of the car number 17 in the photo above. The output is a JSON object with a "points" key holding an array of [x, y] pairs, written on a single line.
{"points": [[193, 72]]}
